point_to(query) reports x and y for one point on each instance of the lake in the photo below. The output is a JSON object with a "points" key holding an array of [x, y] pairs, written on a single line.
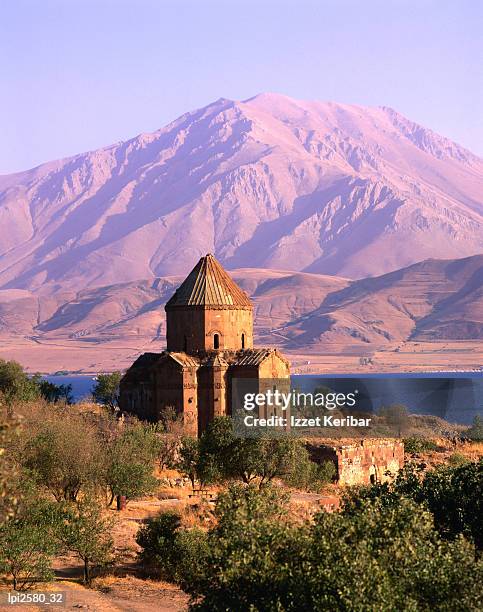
{"points": [[454, 396]]}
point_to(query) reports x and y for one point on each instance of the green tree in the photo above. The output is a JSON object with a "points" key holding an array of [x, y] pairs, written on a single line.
{"points": [[475, 432], [106, 389], [85, 531], [215, 447], [15, 384], [55, 393], [130, 462], [384, 556], [453, 494], [25, 553], [188, 459], [223, 456], [397, 418], [27, 545], [62, 460]]}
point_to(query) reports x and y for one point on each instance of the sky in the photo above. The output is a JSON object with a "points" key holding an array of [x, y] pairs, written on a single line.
{"points": [[76, 75]]}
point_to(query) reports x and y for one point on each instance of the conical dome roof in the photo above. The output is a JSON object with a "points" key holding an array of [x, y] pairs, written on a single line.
{"points": [[208, 284]]}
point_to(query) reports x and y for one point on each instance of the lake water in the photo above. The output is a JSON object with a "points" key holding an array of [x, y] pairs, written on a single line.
{"points": [[454, 396]]}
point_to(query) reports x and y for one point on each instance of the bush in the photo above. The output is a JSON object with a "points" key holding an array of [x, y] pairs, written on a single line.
{"points": [[378, 558], [453, 494], [415, 446], [171, 553]]}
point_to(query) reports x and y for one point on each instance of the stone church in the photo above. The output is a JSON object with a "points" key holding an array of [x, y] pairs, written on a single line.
{"points": [[209, 323]]}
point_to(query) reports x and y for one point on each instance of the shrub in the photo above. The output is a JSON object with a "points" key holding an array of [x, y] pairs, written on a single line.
{"points": [[415, 446], [171, 553]]}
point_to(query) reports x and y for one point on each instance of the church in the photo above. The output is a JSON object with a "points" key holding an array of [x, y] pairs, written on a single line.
{"points": [[209, 333]]}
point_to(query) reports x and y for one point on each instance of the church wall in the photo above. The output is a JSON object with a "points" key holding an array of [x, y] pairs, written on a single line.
{"points": [[230, 324], [185, 329], [274, 367], [136, 394], [192, 328], [168, 385]]}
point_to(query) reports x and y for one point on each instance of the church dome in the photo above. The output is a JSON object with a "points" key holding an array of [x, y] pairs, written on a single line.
{"points": [[208, 284]]}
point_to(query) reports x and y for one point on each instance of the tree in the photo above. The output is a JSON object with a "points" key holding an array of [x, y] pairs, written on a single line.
{"points": [[86, 532], [379, 558], [475, 432], [26, 542], [397, 418], [25, 553], [453, 494], [62, 460], [15, 384], [106, 389], [222, 456], [188, 459], [55, 393], [130, 462]]}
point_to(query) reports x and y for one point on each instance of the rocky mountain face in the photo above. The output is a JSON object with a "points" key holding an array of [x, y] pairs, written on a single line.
{"points": [[269, 183], [431, 300]]}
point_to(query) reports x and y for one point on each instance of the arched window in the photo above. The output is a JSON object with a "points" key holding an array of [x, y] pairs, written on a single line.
{"points": [[216, 341], [243, 341]]}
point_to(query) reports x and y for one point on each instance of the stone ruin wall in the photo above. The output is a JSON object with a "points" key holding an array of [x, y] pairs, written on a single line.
{"points": [[364, 461]]}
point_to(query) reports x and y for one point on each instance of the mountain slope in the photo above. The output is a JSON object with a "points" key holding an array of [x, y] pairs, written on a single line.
{"points": [[430, 300], [270, 182]]}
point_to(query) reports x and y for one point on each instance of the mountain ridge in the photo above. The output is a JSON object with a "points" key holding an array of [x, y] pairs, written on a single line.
{"points": [[269, 182], [432, 300]]}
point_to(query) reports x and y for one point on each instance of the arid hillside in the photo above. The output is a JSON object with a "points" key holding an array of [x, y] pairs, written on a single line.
{"points": [[435, 300], [271, 183]]}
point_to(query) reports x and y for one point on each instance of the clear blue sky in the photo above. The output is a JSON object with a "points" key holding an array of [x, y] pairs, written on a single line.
{"points": [[79, 74]]}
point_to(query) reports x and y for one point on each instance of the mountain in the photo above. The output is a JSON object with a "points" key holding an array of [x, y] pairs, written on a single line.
{"points": [[428, 301], [136, 309], [270, 183], [431, 300]]}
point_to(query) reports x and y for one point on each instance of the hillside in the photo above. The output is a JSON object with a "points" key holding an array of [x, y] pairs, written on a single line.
{"points": [[271, 183], [429, 301]]}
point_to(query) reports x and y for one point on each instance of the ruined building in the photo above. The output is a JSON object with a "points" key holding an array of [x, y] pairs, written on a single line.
{"points": [[365, 461], [209, 334]]}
